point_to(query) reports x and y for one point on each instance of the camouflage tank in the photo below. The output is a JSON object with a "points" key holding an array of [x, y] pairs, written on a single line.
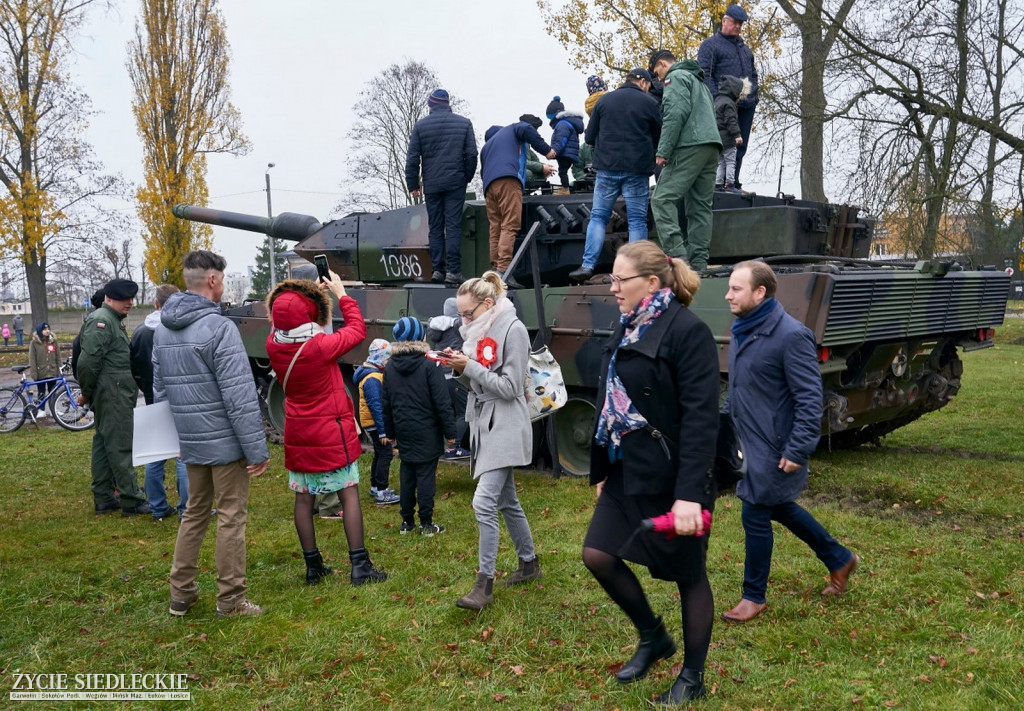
{"points": [[888, 335]]}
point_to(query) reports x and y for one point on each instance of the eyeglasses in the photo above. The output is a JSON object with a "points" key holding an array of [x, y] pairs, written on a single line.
{"points": [[618, 281], [468, 316]]}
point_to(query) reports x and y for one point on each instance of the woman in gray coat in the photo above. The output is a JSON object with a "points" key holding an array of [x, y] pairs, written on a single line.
{"points": [[492, 365]]}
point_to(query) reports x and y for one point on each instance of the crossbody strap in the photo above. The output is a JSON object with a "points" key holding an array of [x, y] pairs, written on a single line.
{"points": [[284, 382]]}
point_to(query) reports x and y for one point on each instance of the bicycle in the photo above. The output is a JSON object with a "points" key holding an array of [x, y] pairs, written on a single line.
{"points": [[19, 404]]}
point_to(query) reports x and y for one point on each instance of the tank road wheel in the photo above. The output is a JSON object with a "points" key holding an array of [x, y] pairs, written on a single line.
{"points": [[574, 427], [274, 400]]}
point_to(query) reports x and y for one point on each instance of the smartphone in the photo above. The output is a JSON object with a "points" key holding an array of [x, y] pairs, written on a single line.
{"points": [[322, 270], [438, 356]]}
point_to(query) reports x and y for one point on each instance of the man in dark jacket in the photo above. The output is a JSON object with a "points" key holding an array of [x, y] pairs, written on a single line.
{"points": [[105, 375], [624, 129], [444, 145], [723, 53], [142, 371], [18, 324], [418, 414], [201, 369], [503, 170], [775, 404]]}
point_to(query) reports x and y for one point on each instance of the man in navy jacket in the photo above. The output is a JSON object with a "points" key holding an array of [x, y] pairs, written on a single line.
{"points": [[624, 128], [724, 53], [775, 402], [503, 171], [443, 147]]}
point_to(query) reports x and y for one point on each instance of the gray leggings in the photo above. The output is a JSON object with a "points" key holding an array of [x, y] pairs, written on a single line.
{"points": [[496, 491]]}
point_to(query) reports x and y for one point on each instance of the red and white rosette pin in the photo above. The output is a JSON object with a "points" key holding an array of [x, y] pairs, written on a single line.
{"points": [[486, 352]]}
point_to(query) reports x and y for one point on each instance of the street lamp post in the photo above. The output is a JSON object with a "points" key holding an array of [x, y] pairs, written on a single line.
{"points": [[270, 240]]}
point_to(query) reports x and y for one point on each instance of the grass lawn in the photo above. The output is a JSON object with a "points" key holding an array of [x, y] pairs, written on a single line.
{"points": [[933, 619]]}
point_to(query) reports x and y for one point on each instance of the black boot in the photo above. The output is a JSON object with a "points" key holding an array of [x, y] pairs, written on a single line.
{"points": [[362, 568], [315, 568], [655, 644], [688, 686]]}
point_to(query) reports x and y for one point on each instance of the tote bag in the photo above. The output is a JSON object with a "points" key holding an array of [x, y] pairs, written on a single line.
{"points": [[544, 384]]}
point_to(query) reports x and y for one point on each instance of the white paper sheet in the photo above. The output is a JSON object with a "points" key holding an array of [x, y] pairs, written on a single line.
{"points": [[155, 438]]}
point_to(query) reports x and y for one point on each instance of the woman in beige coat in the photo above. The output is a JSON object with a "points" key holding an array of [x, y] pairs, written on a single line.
{"points": [[492, 365]]}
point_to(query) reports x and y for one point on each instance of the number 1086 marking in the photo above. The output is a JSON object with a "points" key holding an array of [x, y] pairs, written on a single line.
{"points": [[401, 265]]}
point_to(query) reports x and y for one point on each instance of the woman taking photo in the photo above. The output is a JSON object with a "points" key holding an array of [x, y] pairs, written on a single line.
{"points": [[653, 452], [495, 351], [321, 444]]}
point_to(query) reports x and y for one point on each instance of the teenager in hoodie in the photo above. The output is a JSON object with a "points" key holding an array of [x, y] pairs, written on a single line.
{"points": [[418, 414], [369, 379], [141, 348], [565, 137], [731, 90]]}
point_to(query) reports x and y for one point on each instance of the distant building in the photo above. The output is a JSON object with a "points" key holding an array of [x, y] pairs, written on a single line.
{"points": [[237, 286]]}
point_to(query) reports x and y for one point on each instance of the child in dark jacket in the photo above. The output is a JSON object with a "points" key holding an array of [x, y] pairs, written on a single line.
{"points": [[443, 332], [730, 90], [369, 378], [565, 139], [418, 414]]}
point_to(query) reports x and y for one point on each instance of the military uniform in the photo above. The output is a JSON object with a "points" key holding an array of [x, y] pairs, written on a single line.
{"points": [[691, 145], [105, 376]]}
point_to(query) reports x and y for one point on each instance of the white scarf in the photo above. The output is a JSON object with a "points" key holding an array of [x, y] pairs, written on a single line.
{"points": [[298, 334], [477, 329]]}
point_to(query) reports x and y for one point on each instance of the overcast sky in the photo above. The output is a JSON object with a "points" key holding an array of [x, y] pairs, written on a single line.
{"points": [[297, 69]]}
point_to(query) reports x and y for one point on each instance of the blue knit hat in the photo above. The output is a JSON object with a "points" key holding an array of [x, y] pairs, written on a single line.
{"points": [[438, 97], [555, 107], [380, 351], [408, 329]]}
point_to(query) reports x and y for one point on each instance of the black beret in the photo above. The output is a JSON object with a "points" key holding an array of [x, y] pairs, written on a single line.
{"points": [[97, 299], [121, 289]]}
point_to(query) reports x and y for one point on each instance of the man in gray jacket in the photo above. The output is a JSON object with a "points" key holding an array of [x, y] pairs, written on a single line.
{"points": [[201, 369]]}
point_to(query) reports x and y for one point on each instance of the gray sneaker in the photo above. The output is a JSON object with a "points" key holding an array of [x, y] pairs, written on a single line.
{"points": [[386, 497], [243, 608], [180, 607], [431, 529]]}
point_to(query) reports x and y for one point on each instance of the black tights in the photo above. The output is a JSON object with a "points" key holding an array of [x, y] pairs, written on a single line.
{"points": [[353, 520], [695, 600]]}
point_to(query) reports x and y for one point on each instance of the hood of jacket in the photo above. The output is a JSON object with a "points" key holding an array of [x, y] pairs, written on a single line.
{"points": [[152, 320], [185, 308], [491, 131], [575, 118], [407, 356], [364, 370], [315, 305], [732, 87], [689, 66]]}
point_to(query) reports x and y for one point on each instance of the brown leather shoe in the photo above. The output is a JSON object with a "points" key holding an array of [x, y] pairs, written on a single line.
{"points": [[745, 611], [837, 578]]}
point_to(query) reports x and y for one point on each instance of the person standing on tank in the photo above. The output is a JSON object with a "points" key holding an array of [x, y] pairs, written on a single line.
{"points": [[440, 162]]}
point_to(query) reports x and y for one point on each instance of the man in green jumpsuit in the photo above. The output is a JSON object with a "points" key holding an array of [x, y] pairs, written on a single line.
{"points": [[688, 155], [105, 375]]}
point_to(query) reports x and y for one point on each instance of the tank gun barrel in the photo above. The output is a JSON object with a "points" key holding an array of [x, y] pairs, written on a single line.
{"points": [[287, 225]]}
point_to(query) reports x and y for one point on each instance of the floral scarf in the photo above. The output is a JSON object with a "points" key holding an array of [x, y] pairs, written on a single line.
{"points": [[300, 333], [619, 416]]}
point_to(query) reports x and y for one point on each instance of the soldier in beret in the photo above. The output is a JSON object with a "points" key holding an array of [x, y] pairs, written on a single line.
{"points": [[105, 375]]}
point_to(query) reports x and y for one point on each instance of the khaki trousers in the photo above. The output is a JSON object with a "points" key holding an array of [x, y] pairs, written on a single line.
{"points": [[228, 486], [504, 216]]}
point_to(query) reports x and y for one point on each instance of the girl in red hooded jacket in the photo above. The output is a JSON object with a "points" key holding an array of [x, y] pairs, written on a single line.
{"points": [[321, 444]]}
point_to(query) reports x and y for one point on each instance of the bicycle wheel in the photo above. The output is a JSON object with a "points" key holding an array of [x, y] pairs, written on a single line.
{"points": [[12, 409], [67, 412]]}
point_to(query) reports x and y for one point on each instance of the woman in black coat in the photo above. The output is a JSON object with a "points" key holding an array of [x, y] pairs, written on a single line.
{"points": [[653, 452]]}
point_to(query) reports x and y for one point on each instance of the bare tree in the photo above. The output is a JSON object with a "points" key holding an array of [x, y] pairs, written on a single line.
{"points": [[51, 181], [389, 106]]}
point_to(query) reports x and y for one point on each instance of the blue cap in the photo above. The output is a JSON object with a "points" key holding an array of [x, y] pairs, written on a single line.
{"points": [[408, 329], [737, 13]]}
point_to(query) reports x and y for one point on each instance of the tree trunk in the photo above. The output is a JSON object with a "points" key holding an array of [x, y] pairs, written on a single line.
{"points": [[35, 275], [812, 124]]}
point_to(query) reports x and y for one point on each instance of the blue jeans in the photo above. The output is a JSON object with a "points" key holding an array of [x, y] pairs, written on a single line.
{"points": [[444, 220], [635, 190], [155, 491], [757, 526]]}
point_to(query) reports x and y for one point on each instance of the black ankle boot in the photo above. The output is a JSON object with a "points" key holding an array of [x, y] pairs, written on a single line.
{"points": [[362, 568], [688, 686], [315, 568], [655, 644]]}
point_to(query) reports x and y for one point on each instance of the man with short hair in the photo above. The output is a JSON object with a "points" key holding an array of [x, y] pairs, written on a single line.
{"points": [[624, 129], [503, 171], [725, 53], [775, 403], [688, 154], [200, 367], [443, 146], [105, 377], [142, 371]]}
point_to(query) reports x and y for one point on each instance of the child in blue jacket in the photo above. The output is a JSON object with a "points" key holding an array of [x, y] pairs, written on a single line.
{"points": [[565, 139]]}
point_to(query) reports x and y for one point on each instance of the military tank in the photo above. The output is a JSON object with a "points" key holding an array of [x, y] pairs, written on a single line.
{"points": [[888, 335]]}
